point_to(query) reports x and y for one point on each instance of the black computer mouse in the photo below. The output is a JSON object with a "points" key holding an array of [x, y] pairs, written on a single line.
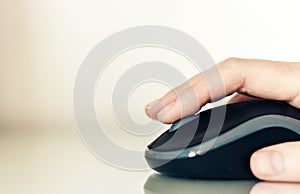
{"points": [[194, 148]]}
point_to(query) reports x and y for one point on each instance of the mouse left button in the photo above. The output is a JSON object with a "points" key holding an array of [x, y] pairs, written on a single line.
{"points": [[177, 124]]}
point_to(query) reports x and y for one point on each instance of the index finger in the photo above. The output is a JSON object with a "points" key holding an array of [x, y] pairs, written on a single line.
{"points": [[259, 78]]}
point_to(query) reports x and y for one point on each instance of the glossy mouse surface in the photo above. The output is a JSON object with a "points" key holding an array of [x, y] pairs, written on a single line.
{"points": [[195, 148]]}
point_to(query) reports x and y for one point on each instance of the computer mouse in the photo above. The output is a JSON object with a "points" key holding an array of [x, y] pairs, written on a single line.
{"points": [[194, 148]]}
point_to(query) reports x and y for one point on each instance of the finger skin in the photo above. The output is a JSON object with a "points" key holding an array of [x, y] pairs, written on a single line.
{"points": [[170, 97], [167, 99], [258, 78], [290, 153], [241, 98]]}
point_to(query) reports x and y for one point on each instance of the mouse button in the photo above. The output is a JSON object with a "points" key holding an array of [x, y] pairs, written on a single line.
{"points": [[161, 140], [238, 113], [182, 122], [186, 136]]}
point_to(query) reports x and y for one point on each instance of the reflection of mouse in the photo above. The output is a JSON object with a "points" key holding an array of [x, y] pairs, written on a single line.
{"points": [[157, 183], [188, 150]]}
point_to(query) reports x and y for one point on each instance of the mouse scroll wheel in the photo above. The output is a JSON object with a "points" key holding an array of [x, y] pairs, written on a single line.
{"points": [[176, 125]]}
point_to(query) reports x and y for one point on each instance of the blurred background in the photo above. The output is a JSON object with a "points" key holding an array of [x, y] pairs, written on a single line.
{"points": [[42, 45]]}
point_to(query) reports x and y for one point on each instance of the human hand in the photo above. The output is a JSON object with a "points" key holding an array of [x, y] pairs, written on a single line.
{"points": [[255, 78]]}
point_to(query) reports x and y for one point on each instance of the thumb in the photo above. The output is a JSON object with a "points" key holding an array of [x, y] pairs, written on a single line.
{"points": [[279, 162]]}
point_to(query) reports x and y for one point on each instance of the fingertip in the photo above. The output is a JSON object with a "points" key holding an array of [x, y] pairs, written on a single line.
{"points": [[267, 164], [153, 108], [172, 112], [169, 114], [161, 116], [286, 154], [147, 110]]}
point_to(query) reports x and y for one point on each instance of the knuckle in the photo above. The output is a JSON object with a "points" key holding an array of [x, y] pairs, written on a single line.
{"points": [[232, 61]]}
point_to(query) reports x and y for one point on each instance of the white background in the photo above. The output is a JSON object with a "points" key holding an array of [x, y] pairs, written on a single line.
{"points": [[44, 42]]}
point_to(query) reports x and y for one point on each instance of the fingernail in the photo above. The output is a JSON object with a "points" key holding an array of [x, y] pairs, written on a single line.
{"points": [[269, 163], [154, 107]]}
